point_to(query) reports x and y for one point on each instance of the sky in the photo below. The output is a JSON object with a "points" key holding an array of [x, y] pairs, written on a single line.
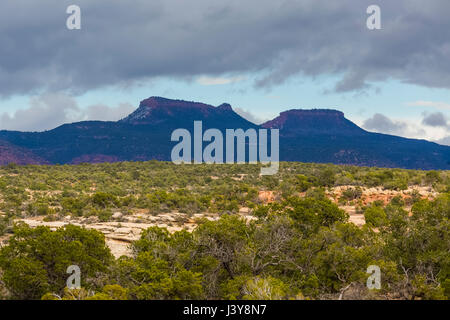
{"points": [[261, 56]]}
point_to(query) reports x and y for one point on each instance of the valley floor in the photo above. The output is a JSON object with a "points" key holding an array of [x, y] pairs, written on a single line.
{"points": [[124, 229]]}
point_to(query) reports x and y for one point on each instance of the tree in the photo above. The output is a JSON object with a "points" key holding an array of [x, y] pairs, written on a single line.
{"points": [[309, 214], [151, 278], [36, 260], [375, 216], [224, 240]]}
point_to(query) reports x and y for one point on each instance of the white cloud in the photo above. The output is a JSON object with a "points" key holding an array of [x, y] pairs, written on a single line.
{"points": [[107, 113], [48, 111], [432, 104], [407, 127], [249, 116], [445, 141], [211, 81], [43, 112]]}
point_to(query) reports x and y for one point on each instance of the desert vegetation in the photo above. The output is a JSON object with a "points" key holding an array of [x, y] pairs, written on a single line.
{"points": [[223, 231]]}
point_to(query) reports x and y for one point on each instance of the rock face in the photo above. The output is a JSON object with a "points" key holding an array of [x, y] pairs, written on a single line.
{"points": [[127, 228], [312, 122], [323, 136], [117, 215], [161, 112], [326, 136]]}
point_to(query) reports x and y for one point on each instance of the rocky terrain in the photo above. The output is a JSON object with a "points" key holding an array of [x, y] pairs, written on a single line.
{"points": [[123, 229]]}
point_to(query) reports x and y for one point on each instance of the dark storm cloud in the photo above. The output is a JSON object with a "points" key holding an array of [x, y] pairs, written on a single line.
{"points": [[122, 42], [437, 119]]}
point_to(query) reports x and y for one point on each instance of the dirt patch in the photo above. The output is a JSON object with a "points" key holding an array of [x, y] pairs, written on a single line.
{"points": [[266, 196]]}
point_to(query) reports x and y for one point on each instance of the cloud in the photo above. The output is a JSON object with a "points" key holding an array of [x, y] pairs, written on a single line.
{"points": [[383, 124], [445, 141], [48, 111], [131, 41], [210, 81], [437, 119], [43, 113], [249, 116], [430, 127], [106, 113], [433, 104]]}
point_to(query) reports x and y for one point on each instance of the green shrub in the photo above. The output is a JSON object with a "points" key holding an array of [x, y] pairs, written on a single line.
{"points": [[375, 216]]}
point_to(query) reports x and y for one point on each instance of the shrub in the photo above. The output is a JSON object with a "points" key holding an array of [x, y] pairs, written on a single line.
{"points": [[375, 216], [36, 260]]}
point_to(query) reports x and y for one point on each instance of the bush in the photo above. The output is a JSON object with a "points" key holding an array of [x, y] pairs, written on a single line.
{"points": [[36, 260], [375, 216], [351, 194]]}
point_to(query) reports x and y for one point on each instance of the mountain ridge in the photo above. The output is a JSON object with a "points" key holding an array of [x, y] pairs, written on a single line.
{"points": [[315, 135], [329, 121]]}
